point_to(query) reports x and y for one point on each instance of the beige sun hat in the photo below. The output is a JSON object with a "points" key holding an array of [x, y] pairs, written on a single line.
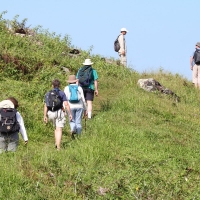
{"points": [[124, 29], [6, 104], [87, 62], [72, 79]]}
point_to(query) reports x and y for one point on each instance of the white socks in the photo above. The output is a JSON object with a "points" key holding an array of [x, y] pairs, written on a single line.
{"points": [[89, 114]]}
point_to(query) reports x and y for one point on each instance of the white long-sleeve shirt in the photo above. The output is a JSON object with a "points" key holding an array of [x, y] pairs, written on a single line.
{"points": [[9, 104], [122, 43], [22, 129], [81, 103]]}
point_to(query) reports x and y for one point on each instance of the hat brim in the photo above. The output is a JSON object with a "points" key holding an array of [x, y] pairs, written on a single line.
{"points": [[74, 81], [124, 31], [88, 63]]}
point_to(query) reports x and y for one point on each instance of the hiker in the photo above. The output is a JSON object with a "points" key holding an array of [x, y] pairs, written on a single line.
{"points": [[9, 133], [55, 112], [123, 50], [195, 65], [87, 79], [77, 104]]}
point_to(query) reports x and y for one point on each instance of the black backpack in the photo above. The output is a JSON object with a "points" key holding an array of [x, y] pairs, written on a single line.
{"points": [[8, 121], [197, 57], [116, 45], [85, 76], [53, 100]]}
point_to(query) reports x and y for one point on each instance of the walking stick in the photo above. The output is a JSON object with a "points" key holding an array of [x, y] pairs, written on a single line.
{"points": [[85, 123]]}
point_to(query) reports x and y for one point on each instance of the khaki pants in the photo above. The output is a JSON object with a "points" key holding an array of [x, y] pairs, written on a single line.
{"points": [[57, 117], [123, 59], [196, 75]]}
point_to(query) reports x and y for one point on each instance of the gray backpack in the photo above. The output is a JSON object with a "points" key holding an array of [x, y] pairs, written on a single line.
{"points": [[197, 57], [116, 45], [53, 100]]}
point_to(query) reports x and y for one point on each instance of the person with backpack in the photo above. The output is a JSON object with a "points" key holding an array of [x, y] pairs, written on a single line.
{"points": [[11, 123], [120, 46], [77, 104], [88, 80], [55, 112], [195, 66]]}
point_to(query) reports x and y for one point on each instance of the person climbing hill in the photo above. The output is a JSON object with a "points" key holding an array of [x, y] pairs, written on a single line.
{"points": [[54, 110], [120, 46], [195, 65], [77, 104], [11, 123], [88, 80]]}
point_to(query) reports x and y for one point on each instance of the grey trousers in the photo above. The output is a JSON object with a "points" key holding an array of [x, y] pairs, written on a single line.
{"points": [[9, 142]]}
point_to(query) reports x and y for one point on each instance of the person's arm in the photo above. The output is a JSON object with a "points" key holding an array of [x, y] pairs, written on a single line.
{"points": [[96, 87], [66, 91], [191, 62], [95, 75], [122, 45], [22, 129], [68, 109], [45, 113], [83, 100]]}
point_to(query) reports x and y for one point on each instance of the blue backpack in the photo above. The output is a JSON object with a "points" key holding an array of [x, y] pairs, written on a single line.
{"points": [[74, 94]]}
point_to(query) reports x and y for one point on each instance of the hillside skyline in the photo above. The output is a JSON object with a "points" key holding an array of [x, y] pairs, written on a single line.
{"points": [[161, 34]]}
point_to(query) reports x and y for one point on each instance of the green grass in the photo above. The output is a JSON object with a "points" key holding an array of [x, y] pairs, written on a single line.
{"points": [[139, 145]]}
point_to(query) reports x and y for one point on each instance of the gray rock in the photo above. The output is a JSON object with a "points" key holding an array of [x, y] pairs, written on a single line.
{"points": [[151, 85]]}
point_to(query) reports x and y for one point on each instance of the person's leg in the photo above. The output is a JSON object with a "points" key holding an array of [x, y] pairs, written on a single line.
{"points": [[72, 123], [198, 76], [193, 78], [194, 75], [60, 123], [58, 137], [13, 142], [3, 144], [89, 109], [123, 60], [89, 97], [78, 120]]}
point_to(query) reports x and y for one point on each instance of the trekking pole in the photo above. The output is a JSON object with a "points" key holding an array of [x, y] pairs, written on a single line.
{"points": [[85, 123]]}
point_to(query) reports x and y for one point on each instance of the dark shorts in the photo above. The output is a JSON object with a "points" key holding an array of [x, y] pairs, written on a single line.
{"points": [[88, 94]]}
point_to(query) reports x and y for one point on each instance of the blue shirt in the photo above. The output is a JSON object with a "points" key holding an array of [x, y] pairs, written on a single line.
{"points": [[61, 94]]}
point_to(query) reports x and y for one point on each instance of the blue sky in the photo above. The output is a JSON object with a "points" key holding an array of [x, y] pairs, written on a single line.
{"points": [[162, 33]]}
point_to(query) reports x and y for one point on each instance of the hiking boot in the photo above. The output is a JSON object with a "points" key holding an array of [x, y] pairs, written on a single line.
{"points": [[72, 134]]}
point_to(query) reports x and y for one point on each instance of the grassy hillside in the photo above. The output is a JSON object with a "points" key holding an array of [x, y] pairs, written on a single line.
{"points": [[139, 145]]}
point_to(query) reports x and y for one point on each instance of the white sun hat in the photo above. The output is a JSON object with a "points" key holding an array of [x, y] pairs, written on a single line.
{"points": [[88, 62], [124, 29], [6, 104]]}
